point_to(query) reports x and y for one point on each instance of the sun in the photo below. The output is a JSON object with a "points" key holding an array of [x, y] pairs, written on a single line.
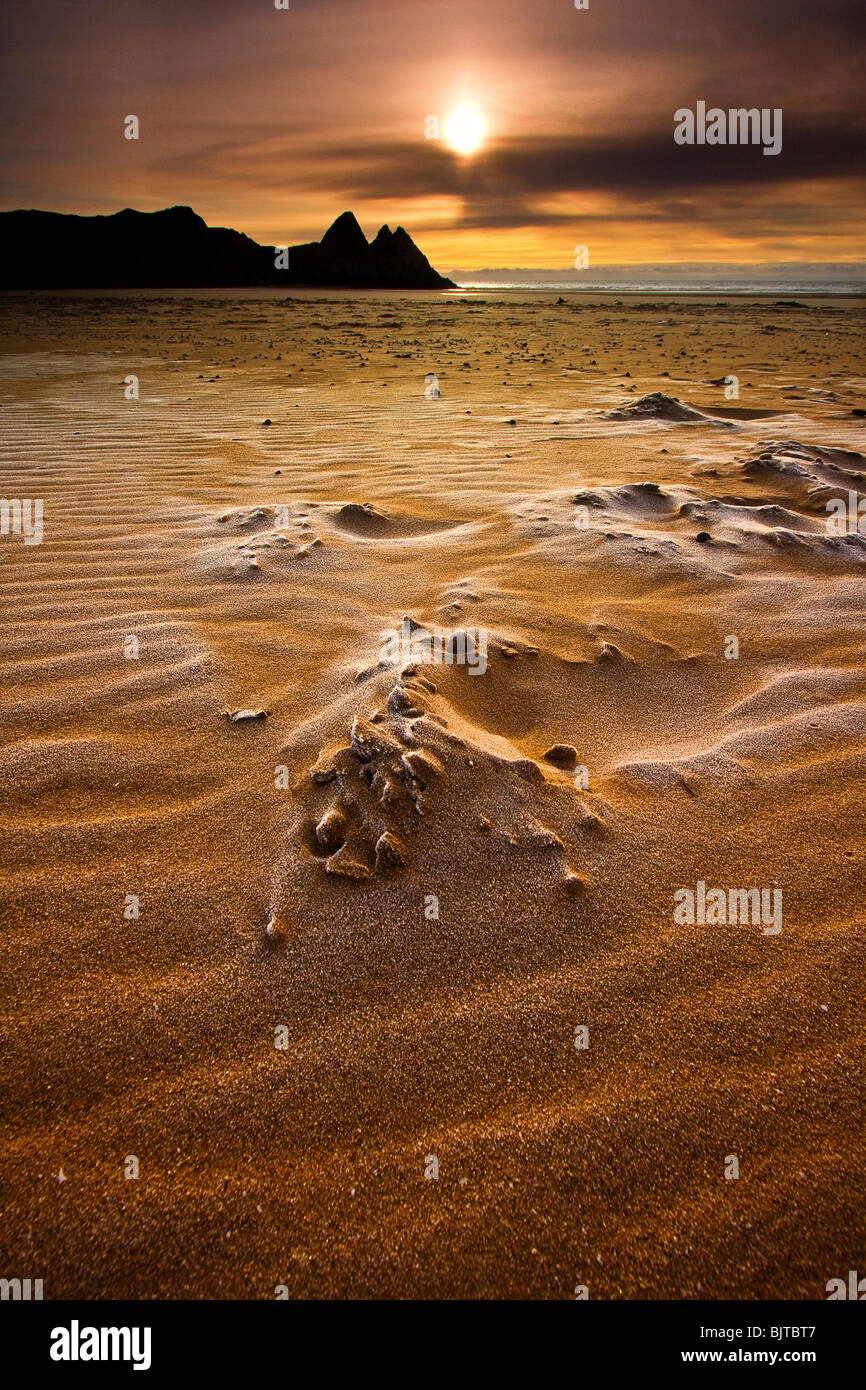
{"points": [[465, 129]]}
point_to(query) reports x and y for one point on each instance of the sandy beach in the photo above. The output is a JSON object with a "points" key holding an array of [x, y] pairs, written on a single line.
{"points": [[384, 988]]}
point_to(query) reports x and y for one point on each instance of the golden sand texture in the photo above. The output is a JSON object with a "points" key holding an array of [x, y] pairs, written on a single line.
{"points": [[288, 1034]]}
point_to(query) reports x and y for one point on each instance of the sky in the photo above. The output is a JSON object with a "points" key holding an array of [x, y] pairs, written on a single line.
{"points": [[273, 121]]}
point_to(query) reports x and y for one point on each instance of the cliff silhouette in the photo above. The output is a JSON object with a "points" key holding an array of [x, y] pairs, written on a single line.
{"points": [[175, 248]]}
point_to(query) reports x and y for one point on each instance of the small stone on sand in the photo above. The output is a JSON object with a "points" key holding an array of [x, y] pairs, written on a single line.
{"points": [[274, 934], [331, 830], [574, 884], [562, 755], [391, 851]]}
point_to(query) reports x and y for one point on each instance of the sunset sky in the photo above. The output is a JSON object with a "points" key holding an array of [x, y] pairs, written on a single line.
{"points": [[274, 121]]}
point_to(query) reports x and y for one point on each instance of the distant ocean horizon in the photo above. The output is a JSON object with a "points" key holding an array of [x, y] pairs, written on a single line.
{"points": [[684, 278]]}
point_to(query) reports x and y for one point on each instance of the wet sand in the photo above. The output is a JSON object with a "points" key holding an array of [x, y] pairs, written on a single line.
{"points": [[335, 979]]}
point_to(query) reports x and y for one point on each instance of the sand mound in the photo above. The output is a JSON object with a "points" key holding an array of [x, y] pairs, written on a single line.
{"points": [[812, 462], [251, 561], [364, 520], [795, 692], [811, 475], [636, 500], [791, 750], [658, 406], [248, 520], [370, 804], [664, 523], [368, 523]]}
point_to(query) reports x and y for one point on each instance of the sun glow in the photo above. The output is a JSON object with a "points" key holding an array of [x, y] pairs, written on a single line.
{"points": [[465, 129]]}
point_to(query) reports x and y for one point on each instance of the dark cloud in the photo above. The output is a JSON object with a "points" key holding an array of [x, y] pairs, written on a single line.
{"points": [[502, 184]]}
